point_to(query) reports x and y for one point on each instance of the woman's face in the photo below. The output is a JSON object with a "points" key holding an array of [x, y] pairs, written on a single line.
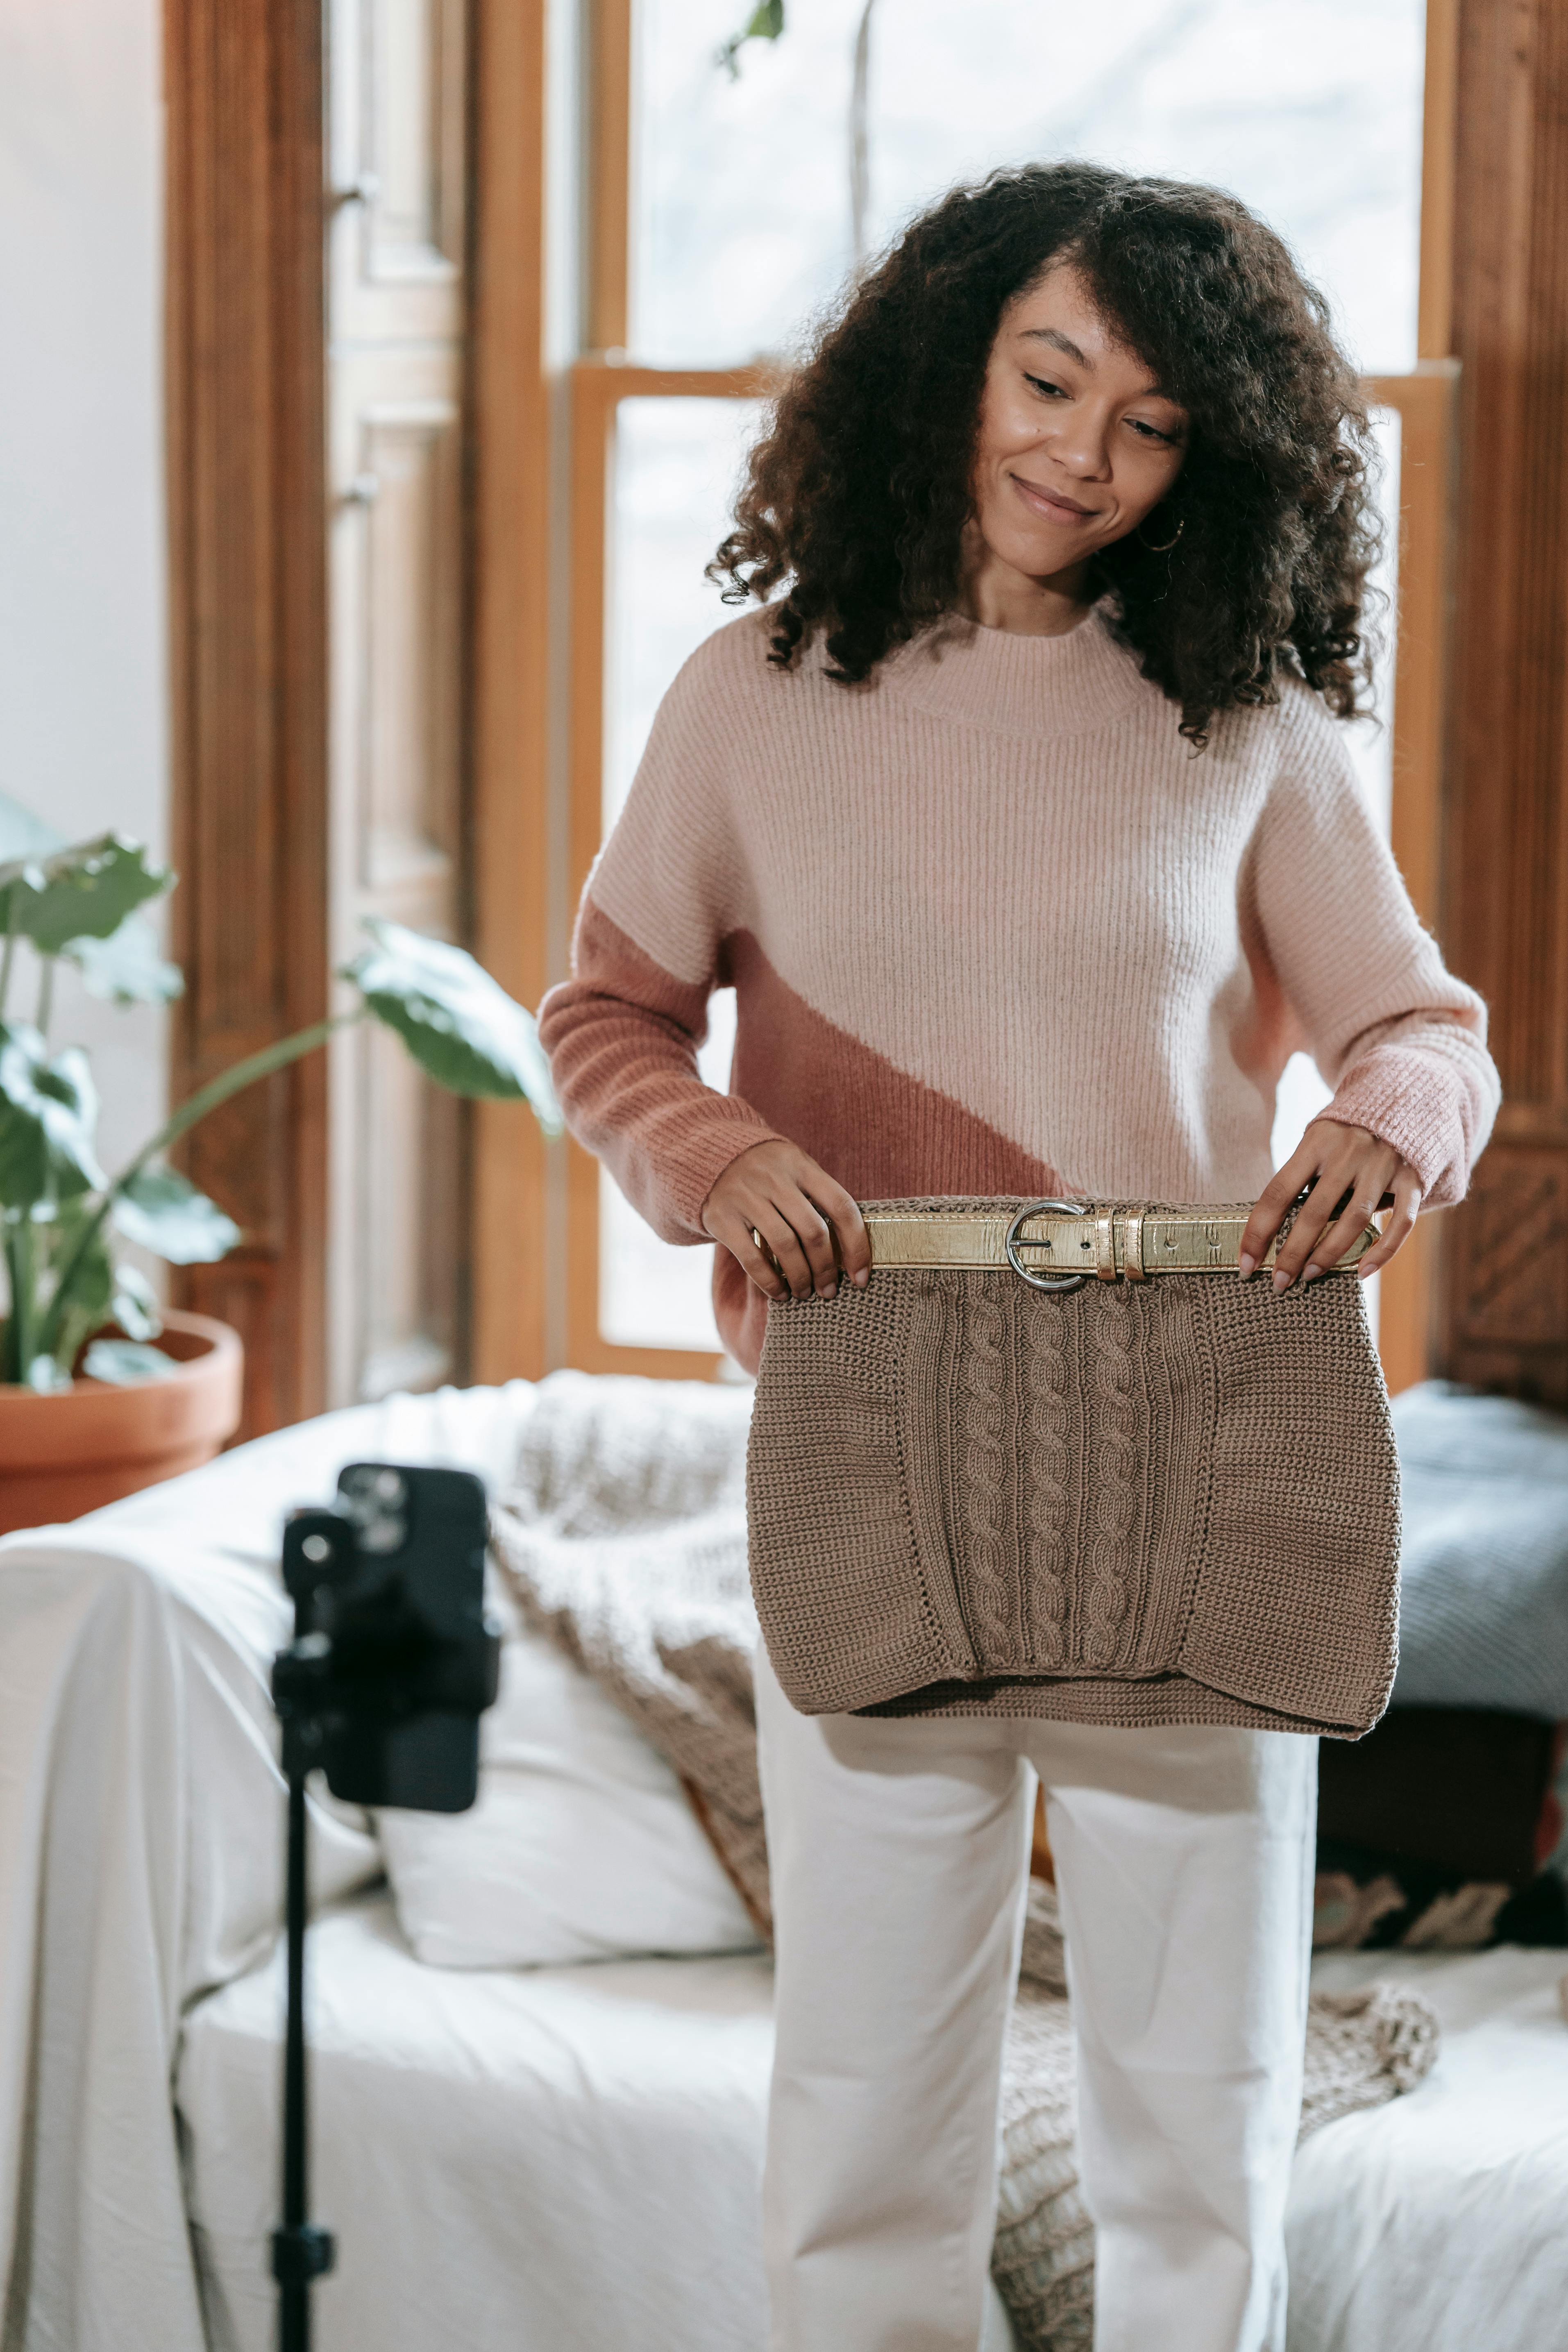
{"points": [[1076, 441]]}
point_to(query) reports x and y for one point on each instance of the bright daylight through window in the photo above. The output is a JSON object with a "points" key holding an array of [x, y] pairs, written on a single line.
{"points": [[741, 232]]}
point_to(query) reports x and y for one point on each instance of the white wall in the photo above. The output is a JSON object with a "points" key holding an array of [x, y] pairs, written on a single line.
{"points": [[83, 673]]}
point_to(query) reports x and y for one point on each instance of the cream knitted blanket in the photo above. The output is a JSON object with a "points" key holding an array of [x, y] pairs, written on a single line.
{"points": [[624, 1539]]}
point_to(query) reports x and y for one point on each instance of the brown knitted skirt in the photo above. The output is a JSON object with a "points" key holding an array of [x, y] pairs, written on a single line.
{"points": [[1172, 1501]]}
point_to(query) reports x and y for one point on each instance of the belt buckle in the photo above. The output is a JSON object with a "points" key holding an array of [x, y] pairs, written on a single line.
{"points": [[1025, 1273]]}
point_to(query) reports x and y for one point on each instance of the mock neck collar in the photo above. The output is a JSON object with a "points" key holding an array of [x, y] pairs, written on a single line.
{"points": [[1015, 685]]}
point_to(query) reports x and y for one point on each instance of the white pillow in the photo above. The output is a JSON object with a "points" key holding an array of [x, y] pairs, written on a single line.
{"points": [[581, 1846]]}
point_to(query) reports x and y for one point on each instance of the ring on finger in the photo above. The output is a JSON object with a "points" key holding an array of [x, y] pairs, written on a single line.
{"points": [[1322, 1258], [769, 1260]]}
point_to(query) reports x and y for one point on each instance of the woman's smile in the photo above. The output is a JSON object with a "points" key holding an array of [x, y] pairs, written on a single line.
{"points": [[1055, 505]]}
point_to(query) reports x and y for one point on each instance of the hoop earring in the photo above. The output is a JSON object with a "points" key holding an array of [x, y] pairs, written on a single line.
{"points": [[1166, 545]]}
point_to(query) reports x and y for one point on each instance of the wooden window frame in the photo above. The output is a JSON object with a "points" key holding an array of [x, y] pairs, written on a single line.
{"points": [[1425, 402], [245, 438], [510, 506]]}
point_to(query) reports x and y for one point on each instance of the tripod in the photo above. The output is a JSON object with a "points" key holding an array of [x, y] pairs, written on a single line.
{"points": [[301, 2251], [388, 1704]]}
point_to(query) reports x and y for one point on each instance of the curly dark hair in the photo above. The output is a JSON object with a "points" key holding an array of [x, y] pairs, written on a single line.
{"points": [[857, 494]]}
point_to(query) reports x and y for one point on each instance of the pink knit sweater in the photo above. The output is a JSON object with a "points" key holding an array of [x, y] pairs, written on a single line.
{"points": [[993, 929]]}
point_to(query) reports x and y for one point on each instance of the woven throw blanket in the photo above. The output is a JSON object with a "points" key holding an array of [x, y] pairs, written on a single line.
{"points": [[624, 1540]]}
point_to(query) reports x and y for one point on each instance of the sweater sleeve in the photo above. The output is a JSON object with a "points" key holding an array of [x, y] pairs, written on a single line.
{"points": [[623, 1033], [1400, 1040]]}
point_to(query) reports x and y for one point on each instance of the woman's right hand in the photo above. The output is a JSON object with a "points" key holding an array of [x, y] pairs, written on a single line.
{"points": [[778, 1192]]}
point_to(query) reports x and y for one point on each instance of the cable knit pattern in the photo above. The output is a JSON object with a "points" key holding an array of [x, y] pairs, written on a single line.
{"points": [[1116, 1467], [984, 1488], [993, 929], [1045, 1466], [1226, 1557]]}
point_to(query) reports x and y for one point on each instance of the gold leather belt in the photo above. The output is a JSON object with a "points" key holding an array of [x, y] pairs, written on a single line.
{"points": [[1061, 1245]]}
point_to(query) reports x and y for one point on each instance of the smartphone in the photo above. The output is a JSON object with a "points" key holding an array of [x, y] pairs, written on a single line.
{"points": [[414, 1662]]}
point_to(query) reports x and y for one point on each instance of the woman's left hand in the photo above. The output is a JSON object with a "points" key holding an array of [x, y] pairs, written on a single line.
{"points": [[1335, 1161]]}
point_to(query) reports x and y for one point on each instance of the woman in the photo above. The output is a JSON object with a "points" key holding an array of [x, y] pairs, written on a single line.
{"points": [[1022, 827]]}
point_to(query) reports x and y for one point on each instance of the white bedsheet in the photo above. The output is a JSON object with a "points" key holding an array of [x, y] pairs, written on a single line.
{"points": [[1439, 2223], [566, 2160], [544, 2160]]}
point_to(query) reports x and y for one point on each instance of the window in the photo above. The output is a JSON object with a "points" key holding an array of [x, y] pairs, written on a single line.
{"points": [[739, 227], [741, 207]]}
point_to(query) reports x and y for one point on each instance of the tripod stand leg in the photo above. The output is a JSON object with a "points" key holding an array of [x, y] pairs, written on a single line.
{"points": [[300, 2253]]}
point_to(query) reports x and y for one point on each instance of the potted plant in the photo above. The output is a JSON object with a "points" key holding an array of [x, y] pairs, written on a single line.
{"points": [[102, 1391]]}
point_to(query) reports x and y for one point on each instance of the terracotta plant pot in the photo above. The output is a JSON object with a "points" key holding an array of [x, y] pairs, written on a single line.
{"points": [[61, 1456]]}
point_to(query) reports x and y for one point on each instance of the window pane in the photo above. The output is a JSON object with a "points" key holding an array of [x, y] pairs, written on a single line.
{"points": [[1303, 1093], [652, 1295], [676, 469], [676, 466], [740, 223]]}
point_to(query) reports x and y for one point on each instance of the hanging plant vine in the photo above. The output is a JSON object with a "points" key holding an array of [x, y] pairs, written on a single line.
{"points": [[766, 23]]}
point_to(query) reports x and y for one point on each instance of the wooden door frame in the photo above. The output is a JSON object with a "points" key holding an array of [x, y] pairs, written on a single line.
{"points": [[245, 361], [1503, 1290], [509, 534], [248, 504]]}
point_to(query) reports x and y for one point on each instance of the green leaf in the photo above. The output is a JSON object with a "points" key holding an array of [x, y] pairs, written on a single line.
{"points": [[85, 891], [168, 1216], [124, 1363], [48, 1110], [766, 23], [45, 1376], [100, 1291], [126, 968], [461, 1028], [89, 1302], [134, 1304]]}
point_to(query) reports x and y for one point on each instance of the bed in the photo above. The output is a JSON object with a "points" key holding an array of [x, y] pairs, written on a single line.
{"points": [[563, 2159], [572, 2158]]}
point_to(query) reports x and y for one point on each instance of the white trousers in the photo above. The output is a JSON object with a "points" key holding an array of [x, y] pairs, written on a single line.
{"points": [[898, 1851]]}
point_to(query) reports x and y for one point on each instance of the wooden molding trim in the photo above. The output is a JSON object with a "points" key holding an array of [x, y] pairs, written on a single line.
{"points": [[509, 614], [248, 628], [1435, 323], [608, 26], [1504, 1317]]}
